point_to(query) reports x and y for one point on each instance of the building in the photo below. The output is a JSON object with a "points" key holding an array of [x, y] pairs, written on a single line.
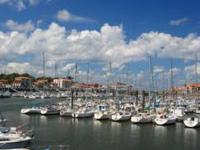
{"points": [[3, 83], [193, 88], [41, 83], [23, 83], [189, 88], [86, 85], [62, 83]]}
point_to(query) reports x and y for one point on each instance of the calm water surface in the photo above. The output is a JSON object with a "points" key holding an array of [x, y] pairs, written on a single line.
{"points": [[88, 134]]}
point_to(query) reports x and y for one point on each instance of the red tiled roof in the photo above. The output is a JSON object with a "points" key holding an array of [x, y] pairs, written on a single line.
{"points": [[194, 85]]}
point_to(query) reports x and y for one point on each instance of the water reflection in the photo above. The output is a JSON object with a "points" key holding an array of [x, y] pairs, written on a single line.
{"points": [[25, 117], [160, 131], [43, 119], [98, 123], [190, 137]]}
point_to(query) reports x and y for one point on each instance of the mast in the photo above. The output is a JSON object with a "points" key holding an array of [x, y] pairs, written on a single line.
{"points": [[87, 80], [76, 72], [110, 78], [196, 68], [110, 69], [88, 72], [171, 77], [43, 58], [163, 85], [55, 69], [151, 87]]}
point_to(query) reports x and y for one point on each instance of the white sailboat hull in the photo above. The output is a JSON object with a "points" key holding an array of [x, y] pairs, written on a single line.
{"points": [[66, 113], [82, 115], [101, 116], [141, 120], [118, 117], [192, 123], [49, 112], [165, 121], [30, 111]]}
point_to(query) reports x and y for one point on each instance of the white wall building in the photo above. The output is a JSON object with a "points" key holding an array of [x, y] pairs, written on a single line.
{"points": [[62, 83]]}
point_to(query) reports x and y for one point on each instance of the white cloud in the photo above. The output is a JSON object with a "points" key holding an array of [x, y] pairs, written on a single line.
{"points": [[107, 44], [25, 27], [175, 71], [66, 16], [158, 69], [19, 4], [178, 21], [18, 67], [68, 67], [191, 70]]}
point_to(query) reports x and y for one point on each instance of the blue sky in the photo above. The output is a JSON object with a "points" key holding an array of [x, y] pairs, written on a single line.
{"points": [[137, 16], [162, 21]]}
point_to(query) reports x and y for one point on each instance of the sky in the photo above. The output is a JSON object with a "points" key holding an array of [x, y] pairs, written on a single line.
{"points": [[112, 37]]}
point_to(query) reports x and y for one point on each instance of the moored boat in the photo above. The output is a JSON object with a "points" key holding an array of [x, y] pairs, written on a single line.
{"points": [[102, 112], [101, 115], [49, 111], [11, 138], [179, 113], [31, 110], [67, 112], [121, 116], [192, 121], [164, 119], [82, 113], [142, 118]]}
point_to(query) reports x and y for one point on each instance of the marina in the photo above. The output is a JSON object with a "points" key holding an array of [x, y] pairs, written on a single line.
{"points": [[132, 129], [99, 75]]}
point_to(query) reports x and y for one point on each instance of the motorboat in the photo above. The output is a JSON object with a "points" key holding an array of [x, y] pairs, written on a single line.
{"points": [[102, 115], [102, 112], [12, 138]]}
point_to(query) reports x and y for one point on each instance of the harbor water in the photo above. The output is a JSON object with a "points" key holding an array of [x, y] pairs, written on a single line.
{"points": [[89, 134]]}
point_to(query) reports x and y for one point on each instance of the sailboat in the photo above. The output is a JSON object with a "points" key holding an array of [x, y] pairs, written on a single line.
{"points": [[50, 110], [121, 116], [83, 112], [165, 119], [66, 112], [142, 118], [31, 110], [192, 121]]}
